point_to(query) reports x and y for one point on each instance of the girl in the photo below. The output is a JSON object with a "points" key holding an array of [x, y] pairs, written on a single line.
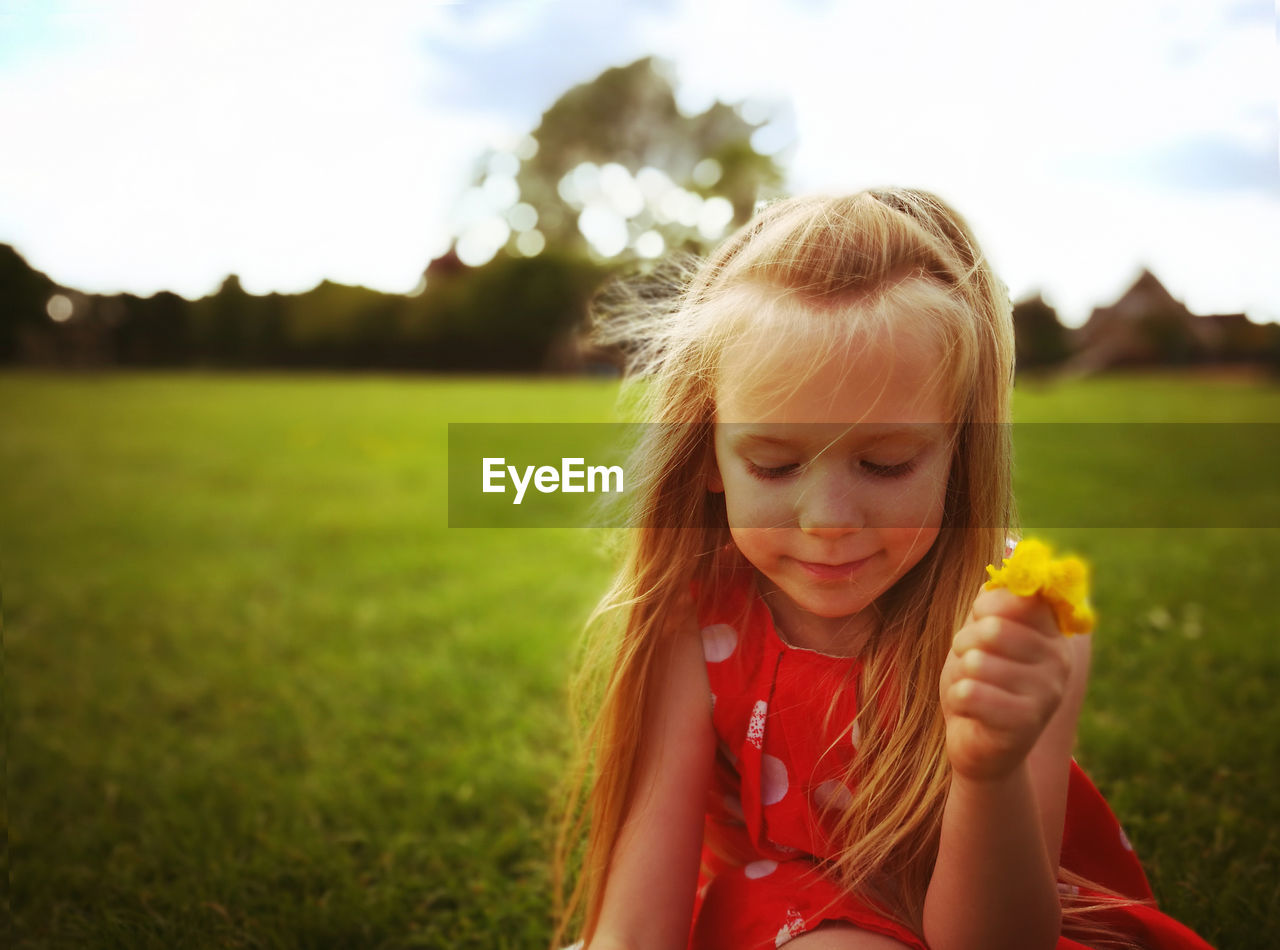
{"points": [[811, 725]]}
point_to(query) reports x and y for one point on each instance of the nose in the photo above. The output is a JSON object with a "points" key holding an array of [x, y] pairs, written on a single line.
{"points": [[828, 505]]}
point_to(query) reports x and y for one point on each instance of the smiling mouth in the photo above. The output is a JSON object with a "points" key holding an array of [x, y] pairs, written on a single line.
{"points": [[836, 572]]}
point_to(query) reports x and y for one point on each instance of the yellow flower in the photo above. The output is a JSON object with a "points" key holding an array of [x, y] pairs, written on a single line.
{"points": [[1063, 583]]}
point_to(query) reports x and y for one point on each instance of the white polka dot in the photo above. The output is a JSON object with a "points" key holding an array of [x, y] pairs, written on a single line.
{"points": [[755, 728], [1069, 889], [832, 795], [793, 926], [718, 642], [773, 779], [855, 734], [1124, 841], [758, 869], [713, 702]]}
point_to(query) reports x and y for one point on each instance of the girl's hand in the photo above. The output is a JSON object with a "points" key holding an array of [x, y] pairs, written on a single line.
{"points": [[1003, 679]]}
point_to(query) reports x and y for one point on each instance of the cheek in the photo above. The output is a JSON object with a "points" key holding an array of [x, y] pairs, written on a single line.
{"points": [[752, 542], [915, 526], [911, 544], [752, 505], [933, 489], [919, 503], [932, 503]]}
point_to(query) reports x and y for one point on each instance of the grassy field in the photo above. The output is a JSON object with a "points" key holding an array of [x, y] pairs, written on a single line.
{"points": [[258, 695]]}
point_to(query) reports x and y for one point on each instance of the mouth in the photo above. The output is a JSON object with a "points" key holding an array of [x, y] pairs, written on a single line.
{"points": [[833, 572]]}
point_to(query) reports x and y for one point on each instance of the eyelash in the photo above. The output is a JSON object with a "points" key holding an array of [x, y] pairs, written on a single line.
{"points": [[900, 470], [769, 474]]}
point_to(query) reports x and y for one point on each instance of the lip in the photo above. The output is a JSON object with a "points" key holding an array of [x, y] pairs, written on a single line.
{"points": [[832, 572]]}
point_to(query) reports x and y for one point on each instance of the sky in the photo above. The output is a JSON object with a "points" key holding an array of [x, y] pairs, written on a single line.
{"points": [[153, 145]]}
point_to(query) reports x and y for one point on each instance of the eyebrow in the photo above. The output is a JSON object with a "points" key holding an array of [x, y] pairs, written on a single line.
{"points": [[913, 432]]}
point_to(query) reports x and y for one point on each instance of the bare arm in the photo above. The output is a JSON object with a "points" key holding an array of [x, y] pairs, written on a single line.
{"points": [[1050, 758], [1011, 691], [649, 893]]}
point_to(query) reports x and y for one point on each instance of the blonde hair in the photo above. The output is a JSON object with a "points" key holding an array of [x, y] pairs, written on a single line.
{"points": [[867, 258]]}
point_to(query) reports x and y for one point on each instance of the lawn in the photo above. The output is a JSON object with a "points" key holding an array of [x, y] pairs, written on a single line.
{"points": [[258, 694]]}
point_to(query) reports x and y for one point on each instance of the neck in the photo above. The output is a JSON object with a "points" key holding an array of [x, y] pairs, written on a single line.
{"points": [[835, 636]]}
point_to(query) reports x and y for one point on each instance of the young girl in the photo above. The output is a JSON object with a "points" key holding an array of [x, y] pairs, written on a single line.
{"points": [[813, 726]]}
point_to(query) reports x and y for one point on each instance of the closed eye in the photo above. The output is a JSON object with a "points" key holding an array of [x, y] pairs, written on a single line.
{"points": [[771, 472], [889, 471]]}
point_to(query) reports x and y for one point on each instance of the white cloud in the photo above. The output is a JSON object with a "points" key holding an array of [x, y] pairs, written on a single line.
{"points": [[197, 140], [1055, 130]]}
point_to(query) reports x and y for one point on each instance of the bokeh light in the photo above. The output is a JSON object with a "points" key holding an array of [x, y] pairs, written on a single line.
{"points": [[707, 172], [531, 243], [522, 217], [60, 308], [480, 242], [618, 209], [604, 229], [714, 216], [501, 191], [650, 244], [525, 148], [620, 190]]}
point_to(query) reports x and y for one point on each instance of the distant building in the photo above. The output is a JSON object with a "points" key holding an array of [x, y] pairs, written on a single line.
{"points": [[1148, 327]]}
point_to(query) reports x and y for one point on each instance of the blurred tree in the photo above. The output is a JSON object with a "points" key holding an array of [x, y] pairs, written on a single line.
{"points": [[613, 174], [615, 169], [1040, 339], [24, 295], [504, 315], [235, 327], [153, 331], [340, 325]]}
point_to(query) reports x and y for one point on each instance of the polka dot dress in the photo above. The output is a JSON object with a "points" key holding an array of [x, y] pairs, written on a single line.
{"points": [[781, 760]]}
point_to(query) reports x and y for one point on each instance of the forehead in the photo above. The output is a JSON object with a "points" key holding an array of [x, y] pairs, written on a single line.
{"points": [[803, 376]]}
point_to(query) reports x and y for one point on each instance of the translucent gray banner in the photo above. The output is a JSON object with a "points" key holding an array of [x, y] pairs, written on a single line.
{"points": [[1088, 475]]}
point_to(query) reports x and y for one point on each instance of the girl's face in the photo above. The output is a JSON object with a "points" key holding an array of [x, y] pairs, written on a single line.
{"points": [[834, 486]]}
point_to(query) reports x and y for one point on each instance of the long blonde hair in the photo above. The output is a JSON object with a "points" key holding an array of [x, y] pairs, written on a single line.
{"points": [[821, 253]]}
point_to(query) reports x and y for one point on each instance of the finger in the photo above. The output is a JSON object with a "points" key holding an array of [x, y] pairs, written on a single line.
{"points": [[1032, 611], [1000, 636], [951, 671], [1021, 679], [990, 705]]}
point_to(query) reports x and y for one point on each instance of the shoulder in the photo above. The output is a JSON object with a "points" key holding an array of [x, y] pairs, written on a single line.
{"points": [[679, 660], [676, 735]]}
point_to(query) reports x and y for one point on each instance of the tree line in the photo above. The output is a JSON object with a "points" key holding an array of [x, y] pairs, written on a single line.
{"points": [[509, 315]]}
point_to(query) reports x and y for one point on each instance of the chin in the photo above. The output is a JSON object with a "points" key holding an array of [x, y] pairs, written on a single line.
{"points": [[833, 611]]}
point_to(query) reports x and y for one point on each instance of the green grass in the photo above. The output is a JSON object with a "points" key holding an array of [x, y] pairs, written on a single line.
{"points": [[258, 695]]}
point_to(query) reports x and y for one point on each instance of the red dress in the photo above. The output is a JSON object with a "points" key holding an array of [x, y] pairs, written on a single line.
{"points": [[778, 766]]}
